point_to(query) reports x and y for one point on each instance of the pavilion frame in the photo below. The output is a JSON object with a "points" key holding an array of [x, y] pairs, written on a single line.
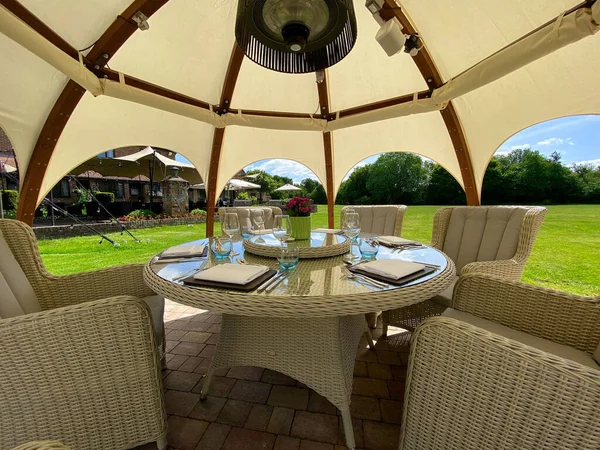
{"points": [[123, 27]]}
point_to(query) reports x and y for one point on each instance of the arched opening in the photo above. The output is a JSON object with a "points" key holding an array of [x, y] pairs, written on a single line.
{"points": [[9, 178], [552, 162]]}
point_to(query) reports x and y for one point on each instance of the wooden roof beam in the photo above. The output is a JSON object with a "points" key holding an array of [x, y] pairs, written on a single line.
{"points": [[324, 102]]}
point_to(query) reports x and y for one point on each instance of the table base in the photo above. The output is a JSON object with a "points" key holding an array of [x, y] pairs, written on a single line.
{"points": [[318, 352]]}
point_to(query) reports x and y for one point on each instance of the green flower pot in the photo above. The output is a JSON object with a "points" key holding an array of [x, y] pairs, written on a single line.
{"points": [[301, 227]]}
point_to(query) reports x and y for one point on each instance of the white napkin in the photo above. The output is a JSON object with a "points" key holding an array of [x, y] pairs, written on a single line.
{"points": [[394, 240], [393, 269], [328, 230], [232, 273], [183, 250]]}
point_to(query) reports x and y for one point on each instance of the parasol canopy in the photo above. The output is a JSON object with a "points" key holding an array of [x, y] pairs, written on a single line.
{"points": [[288, 187]]}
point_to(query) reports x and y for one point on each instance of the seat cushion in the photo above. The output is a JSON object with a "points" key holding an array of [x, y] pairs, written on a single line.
{"points": [[444, 298], [545, 345], [379, 219], [156, 303], [17, 296]]}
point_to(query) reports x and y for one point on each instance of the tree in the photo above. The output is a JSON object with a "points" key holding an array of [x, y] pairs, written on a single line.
{"points": [[443, 189], [353, 191], [398, 178]]}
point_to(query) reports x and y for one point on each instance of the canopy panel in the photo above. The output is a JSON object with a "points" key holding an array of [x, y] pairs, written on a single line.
{"points": [[186, 49], [103, 123], [460, 33], [404, 134]]}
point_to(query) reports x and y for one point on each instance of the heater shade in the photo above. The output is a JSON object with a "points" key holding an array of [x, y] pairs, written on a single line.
{"points": [[296, 36]]}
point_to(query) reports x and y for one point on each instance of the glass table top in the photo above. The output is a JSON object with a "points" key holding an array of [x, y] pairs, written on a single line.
{"points": [[317, 239]]}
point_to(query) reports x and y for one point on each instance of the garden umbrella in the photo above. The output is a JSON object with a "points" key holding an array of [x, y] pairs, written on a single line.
{"points": [[288, 187]]}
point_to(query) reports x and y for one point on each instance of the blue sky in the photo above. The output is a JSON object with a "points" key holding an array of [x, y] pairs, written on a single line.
{"points": [[576, 138]]}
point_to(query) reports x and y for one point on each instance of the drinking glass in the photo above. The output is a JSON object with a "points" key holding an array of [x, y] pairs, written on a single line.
{"points": [[288, 257], [368, 247], [351, 225], [259, 225], [230, 226], [247, 229], [282, 228], [220, 247]]}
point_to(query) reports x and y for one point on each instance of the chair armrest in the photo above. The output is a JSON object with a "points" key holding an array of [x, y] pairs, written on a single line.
{"points": [[58, 291], [42, 445], [86, 375], [509, 269], [469, 388], [441, 220], [560, 317]]}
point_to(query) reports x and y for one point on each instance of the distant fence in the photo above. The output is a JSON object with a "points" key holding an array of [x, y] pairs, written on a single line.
{"points": [[63, 231]]}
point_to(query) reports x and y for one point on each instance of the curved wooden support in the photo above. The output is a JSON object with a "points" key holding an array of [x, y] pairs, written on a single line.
{"points": [[323, 91]]}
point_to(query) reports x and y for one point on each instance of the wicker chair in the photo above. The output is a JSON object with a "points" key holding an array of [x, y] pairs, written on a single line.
{"points": [[511, 366], [381, 220], [42, 445], [246, 214], [496, 240], [76, 366]]}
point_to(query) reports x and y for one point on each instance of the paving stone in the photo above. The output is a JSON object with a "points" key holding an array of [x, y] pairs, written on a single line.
{"points": [[246, 373], [312, 445], [365, 408], [196, 336], [181, 381], [169, 356], [391, 411], [396, 389], [287, 443], [175, 361], [214, 318], [270, 376], [399, 373], [380, 371], [208, 351], [381, 436], [208, 409], [357, 427], [366, 355], [175, 335], [281, 421], [318, 403], [165, 372], [213, 339], [387, 357], [171, 344], [190, 364], [360, 369], [289, 397], [202, 368], [183, 433], [259, 416], [200, 316], [222, 372], [250, 391], [214, 328], [320, 427], [370, 388], [189, 349], [193, 325], [242, 439], [214, 437], [235, 412], [180, 403], [220, 386]]}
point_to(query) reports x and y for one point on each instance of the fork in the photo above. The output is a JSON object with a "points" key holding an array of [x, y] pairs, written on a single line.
{"points": [[364, 278], [192, 272]]}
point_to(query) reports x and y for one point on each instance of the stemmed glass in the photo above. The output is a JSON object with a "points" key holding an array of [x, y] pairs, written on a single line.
{"points": [[230, 226], [282, 228], [259, 225], [351, 228]]}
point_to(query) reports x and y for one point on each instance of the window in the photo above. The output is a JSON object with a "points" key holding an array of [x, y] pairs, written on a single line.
{"points": [[108, 154], [61, 190], [156, 190], [119, 190], [134, 189]]}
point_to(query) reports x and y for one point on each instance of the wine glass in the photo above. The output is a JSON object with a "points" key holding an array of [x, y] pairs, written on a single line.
{"points": [[282, 228], [259, 226], [247, 229], [230, 226], [351, 225]]}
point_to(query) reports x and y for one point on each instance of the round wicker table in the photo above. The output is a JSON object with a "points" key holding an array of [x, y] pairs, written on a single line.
{"points": [[309, 326]]}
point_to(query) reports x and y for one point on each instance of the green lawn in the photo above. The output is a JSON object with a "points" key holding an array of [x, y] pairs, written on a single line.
{"points": [[566, 255]]}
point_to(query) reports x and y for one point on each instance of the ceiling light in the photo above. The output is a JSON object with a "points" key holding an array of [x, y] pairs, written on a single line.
{"points": [[296, 36]]}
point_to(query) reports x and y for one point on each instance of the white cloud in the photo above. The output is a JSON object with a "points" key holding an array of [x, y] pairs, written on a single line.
{"points": [[284, 168], [503, 151], [555, 141], [592, 162]]}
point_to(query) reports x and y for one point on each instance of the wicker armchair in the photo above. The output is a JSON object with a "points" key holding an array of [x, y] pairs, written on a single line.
{"points": [[382, 220], [247, 214], [512, 366], [42, 445], [495, 240]]}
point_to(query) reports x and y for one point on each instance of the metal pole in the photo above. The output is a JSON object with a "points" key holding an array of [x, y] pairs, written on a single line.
{"points": [[2, 195], [52, 209], [151, 173]]}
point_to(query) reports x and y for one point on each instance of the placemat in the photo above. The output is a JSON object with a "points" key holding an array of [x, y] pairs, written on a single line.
{"points": [[238, 287], [399, 281]]}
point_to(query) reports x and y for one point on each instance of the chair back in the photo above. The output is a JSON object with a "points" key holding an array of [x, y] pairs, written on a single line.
{"points": [[17, 295], [488, 233], [246, 214], [384, 220]]}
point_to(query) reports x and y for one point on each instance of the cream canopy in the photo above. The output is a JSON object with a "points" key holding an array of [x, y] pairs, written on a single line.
{"points": [[487, 70]]}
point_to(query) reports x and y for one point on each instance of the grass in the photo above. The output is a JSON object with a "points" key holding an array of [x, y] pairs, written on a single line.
{"points": [[566, 255]]}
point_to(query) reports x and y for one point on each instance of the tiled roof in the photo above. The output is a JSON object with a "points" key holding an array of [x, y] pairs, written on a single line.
{"points": [[5, 145]]}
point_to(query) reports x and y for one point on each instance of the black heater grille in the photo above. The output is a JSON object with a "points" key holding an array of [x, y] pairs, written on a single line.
{"points": [[318, 54]]}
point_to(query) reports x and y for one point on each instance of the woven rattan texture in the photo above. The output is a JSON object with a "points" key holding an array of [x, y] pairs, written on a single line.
{"points": [[332, 248], [316, 288], [42, 445], [401, 212], [86, 375], [471, 389]]}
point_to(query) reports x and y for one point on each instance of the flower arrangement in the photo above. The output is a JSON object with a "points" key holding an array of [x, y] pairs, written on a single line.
{"points": [[298, 207]]}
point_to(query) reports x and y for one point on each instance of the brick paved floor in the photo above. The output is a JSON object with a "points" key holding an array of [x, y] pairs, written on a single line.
{"points": [[253, 408]]}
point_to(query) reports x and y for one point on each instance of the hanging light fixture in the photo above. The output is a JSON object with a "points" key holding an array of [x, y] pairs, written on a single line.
{"points": [[295, 36]]}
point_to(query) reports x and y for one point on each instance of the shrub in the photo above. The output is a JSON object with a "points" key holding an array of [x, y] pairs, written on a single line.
{"points": [[10, 200], [10, 214], [105, 197], [141, 214], [198, 212], [242, 196]]}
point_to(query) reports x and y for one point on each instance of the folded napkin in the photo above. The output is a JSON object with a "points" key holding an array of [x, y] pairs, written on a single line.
{"points": [[232, 273], [392, 241], [393, 269], [261, 232], [183, 251], [328, 230]]}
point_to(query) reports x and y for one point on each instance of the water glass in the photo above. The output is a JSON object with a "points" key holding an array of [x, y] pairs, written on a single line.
{"points": [[247, 231], [220, 247], [368, 247], [230, 224], [282, 228], [350, 223], [288, 258]]}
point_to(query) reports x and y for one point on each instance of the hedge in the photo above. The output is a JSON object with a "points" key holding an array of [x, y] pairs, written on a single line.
{"points": [[10, 200]]}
